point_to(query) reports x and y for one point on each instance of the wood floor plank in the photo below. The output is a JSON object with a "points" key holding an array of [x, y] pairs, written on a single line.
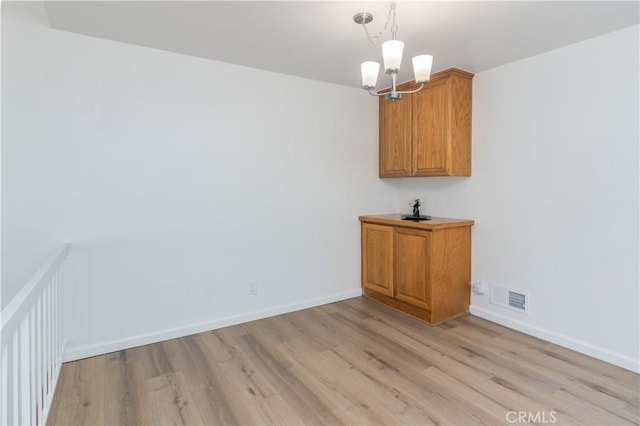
{"points": [[437, 404], [495, 407], [274, 411], [346, 389], [604, 370], [353, 362], [154, 359], [171, 401], [83, 384], [586, 412], [385, 403], [467, 366], [297, 395], [499, 376], [139, 395], [121, 406], [211, 394], [248, 385], [599, 393], [633, 411]]}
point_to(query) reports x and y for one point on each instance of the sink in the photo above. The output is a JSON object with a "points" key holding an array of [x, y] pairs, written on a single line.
{"points": [[416, 218]]}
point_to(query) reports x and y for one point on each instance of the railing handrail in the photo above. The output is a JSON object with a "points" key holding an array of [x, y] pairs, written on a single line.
{"points": [[10, 313]]}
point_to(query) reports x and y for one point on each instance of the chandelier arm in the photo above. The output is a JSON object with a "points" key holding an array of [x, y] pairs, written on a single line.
{"points": [[374, 93], [412, 91]]}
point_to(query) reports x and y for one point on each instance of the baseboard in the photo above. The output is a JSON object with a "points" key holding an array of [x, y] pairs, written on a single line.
{"points": [[603, 354], [85, 351]]}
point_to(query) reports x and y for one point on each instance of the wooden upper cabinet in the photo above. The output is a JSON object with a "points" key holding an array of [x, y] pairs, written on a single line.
{"points": [[430, 133]]}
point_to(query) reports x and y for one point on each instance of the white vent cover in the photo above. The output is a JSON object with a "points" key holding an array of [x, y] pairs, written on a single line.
{"points": [[512, 299]]}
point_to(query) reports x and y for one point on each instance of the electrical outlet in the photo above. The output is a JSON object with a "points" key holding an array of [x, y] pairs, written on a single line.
{"points": [[478, 287], [253, 289]]}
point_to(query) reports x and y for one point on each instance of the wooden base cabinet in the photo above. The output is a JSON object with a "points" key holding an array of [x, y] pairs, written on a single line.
{"points": [[421, 268]]}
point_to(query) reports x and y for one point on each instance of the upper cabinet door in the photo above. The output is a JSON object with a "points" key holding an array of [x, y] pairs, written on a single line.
{"points": [[395, 137], [460, 137], [431, 135]]}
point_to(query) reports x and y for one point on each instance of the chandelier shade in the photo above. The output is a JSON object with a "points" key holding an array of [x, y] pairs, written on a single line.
{"points": [[370, 72], [422, 68], [392, 55]]}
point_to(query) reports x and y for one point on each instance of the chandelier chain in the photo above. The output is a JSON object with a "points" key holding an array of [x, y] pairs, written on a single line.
{"points": [[391, 17], [394, 25]]}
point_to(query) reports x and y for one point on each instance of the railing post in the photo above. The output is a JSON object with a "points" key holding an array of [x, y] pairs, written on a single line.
{"points": [[25, 373], [32, 345]]}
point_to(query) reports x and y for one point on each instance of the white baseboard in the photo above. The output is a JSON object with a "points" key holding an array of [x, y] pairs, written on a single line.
{"points": [[84, 351], [603, 354]]}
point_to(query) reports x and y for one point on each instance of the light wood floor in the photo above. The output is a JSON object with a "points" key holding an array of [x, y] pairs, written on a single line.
{"points": [[352, 362]]}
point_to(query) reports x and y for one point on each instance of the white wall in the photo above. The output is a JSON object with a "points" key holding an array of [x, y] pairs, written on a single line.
{"points": [[554, 194], [177, 181]]}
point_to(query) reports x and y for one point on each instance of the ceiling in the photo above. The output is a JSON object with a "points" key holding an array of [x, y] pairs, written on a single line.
{"points": [[319, 40]]}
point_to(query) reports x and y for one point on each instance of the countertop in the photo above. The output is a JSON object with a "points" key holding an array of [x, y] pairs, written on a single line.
{"points": [[432, 224]]}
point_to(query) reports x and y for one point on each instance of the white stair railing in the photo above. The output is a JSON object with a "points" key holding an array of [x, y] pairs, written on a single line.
{"points": [[32, 345]]}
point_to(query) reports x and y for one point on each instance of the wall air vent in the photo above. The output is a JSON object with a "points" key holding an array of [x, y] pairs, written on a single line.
{"points": [[516, 300], [512, 299]]}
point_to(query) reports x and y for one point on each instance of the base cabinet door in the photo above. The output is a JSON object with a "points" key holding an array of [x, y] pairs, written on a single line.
{"points": [[411, 267], [377, 258]]}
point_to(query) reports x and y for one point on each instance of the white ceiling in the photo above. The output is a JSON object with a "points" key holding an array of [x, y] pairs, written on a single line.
{"points": [[319, 40]]}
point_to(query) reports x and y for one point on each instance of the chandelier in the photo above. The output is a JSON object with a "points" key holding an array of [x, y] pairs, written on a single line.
{"points": [[391, 57]]}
